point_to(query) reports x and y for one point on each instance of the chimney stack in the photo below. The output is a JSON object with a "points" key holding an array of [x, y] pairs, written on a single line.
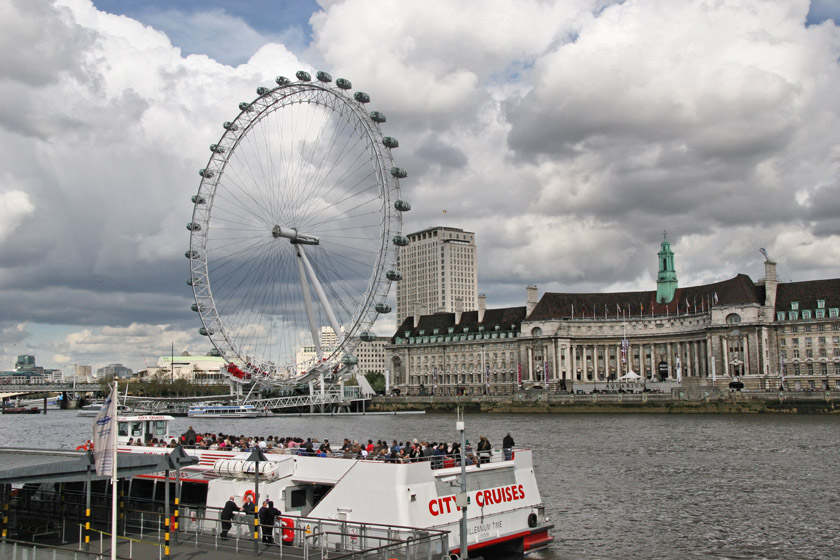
{"points": [[530, 299], [482, 307], [459, 309]]}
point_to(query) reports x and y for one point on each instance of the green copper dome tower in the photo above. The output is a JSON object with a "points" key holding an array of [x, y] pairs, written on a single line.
{"points": [[666, 280]]}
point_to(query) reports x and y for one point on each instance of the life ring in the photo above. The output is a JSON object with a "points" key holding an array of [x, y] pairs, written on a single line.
{"points": [[85, 446], [288, 530], [253, 496]]}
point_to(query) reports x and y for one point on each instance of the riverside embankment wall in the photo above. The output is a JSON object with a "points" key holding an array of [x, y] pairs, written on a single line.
{"points": [[678, 402]]}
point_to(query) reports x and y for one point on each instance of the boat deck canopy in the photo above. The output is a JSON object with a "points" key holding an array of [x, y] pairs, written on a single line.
{"points": [[29, 465]]}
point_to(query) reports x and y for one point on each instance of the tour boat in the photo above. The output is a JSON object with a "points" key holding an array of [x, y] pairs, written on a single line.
{"points": [[93, 409], [213, 410], [505, 511]]}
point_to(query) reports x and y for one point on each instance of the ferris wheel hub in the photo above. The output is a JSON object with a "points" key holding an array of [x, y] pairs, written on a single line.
{"points": [[294, 235]]}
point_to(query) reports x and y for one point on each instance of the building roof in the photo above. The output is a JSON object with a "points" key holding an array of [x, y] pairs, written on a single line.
{"points": [[506, 318], [807, 293], [737, 290]]}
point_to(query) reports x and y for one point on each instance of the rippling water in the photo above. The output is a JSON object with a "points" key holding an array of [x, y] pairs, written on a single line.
{"points": [[615, 486]]}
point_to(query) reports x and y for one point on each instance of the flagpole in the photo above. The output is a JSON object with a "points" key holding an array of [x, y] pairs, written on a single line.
{"points": [[114, 479]]}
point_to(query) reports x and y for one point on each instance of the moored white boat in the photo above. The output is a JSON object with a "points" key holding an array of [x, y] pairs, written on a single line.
{"points": [[213, 410], [93, 410]]}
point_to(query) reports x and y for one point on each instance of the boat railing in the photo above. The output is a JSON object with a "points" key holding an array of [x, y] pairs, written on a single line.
{"points": [[144, 522]]}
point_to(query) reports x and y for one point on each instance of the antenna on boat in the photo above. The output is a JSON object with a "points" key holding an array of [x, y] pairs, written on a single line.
{"points": [[461, 500]]}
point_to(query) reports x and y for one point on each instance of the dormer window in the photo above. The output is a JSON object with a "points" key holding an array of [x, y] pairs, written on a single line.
{"points": [[806, 314], [780, 315], [794, 306], [820, 304]]}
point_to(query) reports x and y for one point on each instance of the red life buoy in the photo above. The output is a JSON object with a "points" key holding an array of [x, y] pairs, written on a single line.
{"points": [[288, 530], [82, 448], [251, 494]]}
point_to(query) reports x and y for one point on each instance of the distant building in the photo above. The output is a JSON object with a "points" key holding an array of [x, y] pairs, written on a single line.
{"points": [[25, 366], [114, 371], [200, 370], [371, 354], [765, 334], [439, 272]]}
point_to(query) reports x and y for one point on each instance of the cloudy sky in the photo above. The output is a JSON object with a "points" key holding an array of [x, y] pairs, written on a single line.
{"points": [[567, 135]]}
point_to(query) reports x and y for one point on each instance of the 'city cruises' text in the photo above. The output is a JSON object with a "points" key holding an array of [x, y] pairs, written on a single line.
{"points": [[442, 506]]}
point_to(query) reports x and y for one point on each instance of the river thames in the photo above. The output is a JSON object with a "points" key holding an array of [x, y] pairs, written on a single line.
{"points": [[615, 486]]}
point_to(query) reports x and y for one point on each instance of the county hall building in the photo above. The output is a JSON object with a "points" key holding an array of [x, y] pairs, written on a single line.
{"points": [[764, 333]]}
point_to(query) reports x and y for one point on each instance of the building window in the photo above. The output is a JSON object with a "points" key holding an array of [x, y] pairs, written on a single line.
{"points": [[822, 353], [796, 369], [795, 352], [809, 353], [794, 305], [820, 314], [820, 304], [780, 315], [733, 318], [807, 327], [806, 314], [808, 341], [833, 312], [793, 315], [782, 342], [794, 341]]}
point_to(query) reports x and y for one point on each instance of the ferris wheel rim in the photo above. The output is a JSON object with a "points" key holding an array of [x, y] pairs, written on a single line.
{"points": [[236, 131]]}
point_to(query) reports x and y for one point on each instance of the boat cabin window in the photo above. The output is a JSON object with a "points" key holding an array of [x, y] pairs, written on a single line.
{"points": [[303, 499], [136, 429], [159, 428], [123, 429], [297, 498]]}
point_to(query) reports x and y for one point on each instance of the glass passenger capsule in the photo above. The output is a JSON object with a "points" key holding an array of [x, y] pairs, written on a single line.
{"points": [[206, 173], [402, 205], [216, 149], [198, 199], [303, 76], [376, 116], [245, 106], [262, 90], [343, 83], [282, 80], [227, 125], [191, 254], [196, 307], [390, 142], [400, 240], [361, 97], [394, 275], [367, 336], [399, 172], [192, 226], [323, 76], [382, 308], [205, 332]]}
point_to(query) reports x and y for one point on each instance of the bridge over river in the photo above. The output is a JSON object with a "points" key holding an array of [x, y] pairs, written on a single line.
{"points": [[335, 399]]}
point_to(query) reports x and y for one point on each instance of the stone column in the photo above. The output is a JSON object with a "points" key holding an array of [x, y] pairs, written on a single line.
{"points": [[669, 360]]}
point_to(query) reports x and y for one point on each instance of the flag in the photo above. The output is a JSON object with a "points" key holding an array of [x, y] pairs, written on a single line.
{"points": [[716, 298], [444, 211], [679, 370], [103, 435]]}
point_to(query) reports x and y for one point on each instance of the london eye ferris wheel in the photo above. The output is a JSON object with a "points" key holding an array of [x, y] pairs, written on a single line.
{"points": [[295, 228]]}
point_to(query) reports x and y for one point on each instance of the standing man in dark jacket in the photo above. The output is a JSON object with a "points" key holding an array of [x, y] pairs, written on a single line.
{"points": [[507, 446], [226, 516], [268, 513]]}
